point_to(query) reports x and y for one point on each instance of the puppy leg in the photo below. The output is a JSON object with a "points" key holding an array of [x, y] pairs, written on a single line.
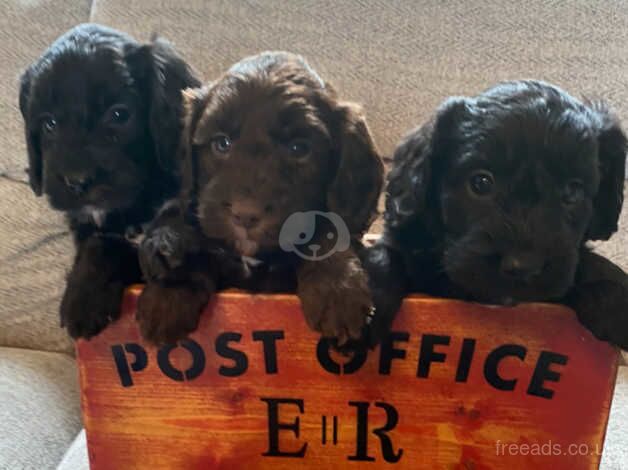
{"points": [[388, 283], [168, 242], [178, 274], [168, 311], [600, 298], [335, 296], [102, 268]]}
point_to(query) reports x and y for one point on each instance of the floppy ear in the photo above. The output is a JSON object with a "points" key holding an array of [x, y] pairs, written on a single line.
{"points": [[612, 147], [356, 187], [35, 169], [194, 101], [410, 178], [164, 74]]}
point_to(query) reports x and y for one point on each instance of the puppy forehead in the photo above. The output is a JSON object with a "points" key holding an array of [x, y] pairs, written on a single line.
{"points": [[558, 138], [78, 77], [263, 101]]}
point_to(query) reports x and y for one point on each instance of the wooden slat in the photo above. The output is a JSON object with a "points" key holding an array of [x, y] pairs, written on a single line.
{"points": [[214, 420]]}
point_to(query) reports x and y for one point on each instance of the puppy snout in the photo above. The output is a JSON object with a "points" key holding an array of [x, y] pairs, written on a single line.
{"points": [[77, 184], [521, 267], [245, 215]]}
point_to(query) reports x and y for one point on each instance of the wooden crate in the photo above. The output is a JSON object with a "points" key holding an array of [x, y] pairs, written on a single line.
{"points": [[461, 386]]}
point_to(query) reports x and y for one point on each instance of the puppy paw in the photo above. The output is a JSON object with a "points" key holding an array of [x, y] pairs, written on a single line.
{"points": [[167, 314], [338, 308], [161, 251], [602, 307], [88, 307]]}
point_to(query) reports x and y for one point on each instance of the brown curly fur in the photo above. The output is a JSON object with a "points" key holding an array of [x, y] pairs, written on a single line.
{"points": [[238, 200]]}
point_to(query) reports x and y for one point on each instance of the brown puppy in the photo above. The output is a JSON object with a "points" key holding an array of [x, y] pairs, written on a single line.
{"points": [[282, 180]]}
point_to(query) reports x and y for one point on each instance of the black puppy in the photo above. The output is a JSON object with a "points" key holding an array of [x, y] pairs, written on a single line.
{"points": [[494, 200], [102, 117]]}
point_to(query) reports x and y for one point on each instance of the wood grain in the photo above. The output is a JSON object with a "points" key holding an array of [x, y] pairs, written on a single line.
{"points": [[217, 421]]}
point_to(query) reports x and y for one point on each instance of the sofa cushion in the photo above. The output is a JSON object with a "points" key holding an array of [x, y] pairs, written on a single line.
{"points": [[402, 58], [35, 253], [615, 455], [40, 413]]}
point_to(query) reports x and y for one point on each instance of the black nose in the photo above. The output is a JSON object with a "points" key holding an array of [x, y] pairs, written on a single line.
{"points": [[77, 184], [521, 267]]}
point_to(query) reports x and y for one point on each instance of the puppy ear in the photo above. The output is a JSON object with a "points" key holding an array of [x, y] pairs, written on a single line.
{"points": [[35, 169], [410, 177], [194, 101], [164, 74], [356, 187], [612, 147]]}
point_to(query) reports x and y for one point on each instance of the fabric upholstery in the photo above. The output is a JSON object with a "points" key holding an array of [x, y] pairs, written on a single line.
{"points": [[39, 415], [401, 58], [615, 453], [35, 253]]}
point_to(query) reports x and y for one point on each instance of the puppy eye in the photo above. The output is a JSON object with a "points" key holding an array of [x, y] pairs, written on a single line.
{"points": [[49, 125], [221, 143], [481, 183], [118, 115], [573, 192], [299, 148]]}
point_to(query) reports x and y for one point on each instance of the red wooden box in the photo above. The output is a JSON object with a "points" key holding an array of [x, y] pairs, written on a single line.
{"points": [[461, 386]]}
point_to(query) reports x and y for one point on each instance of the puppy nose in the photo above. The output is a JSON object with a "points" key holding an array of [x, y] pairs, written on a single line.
{"points": [[245, 220], [521, 267], [77, 184]]}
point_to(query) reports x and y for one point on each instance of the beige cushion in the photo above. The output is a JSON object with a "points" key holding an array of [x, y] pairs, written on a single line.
{"points": [[35, 253], [615, 454], [401, 58], [39, 412]]}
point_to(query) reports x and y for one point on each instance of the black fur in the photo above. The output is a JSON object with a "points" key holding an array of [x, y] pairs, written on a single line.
{"points": [[553, 169], [102, 117]]}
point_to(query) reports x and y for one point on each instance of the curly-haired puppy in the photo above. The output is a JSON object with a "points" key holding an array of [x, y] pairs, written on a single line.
{"points": [[284, 179], [102, 119], [494, 199]]}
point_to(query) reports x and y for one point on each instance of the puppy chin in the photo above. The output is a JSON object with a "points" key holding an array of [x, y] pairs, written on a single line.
{"points": [[489, 286], [263, 239], [99, 198], [242, 242], [110, 199]]}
